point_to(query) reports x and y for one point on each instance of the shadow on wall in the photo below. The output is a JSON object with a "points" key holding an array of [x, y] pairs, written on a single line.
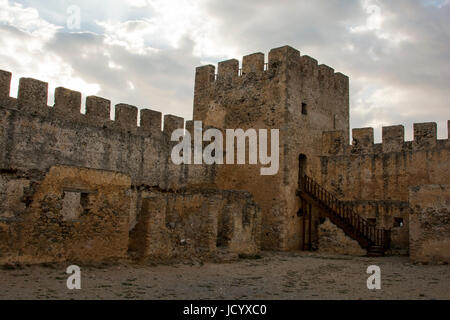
{"points": [[200, 223]]}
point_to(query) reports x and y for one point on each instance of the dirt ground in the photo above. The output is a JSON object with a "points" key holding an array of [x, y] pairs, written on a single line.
{"points": [[273, 276]]}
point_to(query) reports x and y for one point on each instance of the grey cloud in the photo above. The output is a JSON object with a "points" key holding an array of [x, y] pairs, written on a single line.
{"points": [[163, 80], [321, 29], [418, 67]]}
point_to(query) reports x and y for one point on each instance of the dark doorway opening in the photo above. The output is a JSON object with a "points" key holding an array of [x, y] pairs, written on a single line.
{"points": [[304, 109], [305, 210], [301, 166]]}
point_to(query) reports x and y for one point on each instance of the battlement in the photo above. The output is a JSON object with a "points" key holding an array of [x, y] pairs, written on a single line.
{"points": [[171, 123], [36, 136], [32, 100], [280, 60], [5, 84], [98, 109], [393, 140]]}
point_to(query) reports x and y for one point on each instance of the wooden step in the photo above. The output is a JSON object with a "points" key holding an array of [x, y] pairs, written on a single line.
{"points": [[375, 251]]}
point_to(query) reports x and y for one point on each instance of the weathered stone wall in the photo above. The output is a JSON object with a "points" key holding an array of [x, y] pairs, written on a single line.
{"points": [[168, 203], [293, 94], [74, 214], [391, 215], [333, 240], [376, 177], [384, 171], [196, 223], [35, 136], [429, 234]]}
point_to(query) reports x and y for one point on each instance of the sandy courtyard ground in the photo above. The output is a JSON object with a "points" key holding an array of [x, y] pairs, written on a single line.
{"points": [[274, 276]]}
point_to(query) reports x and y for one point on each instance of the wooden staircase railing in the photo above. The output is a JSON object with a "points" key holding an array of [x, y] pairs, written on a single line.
{"points": [[375, 240]]}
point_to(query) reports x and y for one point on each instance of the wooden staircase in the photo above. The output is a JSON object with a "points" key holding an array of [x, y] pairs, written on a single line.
{"points": [[376, 241]]}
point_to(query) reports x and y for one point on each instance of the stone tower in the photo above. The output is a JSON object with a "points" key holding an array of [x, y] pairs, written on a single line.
{"points": [[291, 93]]}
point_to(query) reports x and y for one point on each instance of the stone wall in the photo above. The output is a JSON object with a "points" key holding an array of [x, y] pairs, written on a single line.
{"points": [[333, 240], [35, 136], [291, 93], [177, 210], [388, 214], [429, 234], [376, 177], [46, 147], [196, 223], [74, 214]]}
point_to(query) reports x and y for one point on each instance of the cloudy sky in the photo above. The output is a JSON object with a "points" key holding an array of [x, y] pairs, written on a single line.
{"points": [[144, 52]]}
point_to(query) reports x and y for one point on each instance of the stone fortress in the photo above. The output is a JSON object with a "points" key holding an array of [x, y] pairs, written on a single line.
{"points": [[84, 188]]}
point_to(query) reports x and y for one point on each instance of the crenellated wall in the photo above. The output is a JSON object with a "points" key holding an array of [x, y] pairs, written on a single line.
{"points": [[35, 138], [376, 177], [175, 211], [383, 171]]}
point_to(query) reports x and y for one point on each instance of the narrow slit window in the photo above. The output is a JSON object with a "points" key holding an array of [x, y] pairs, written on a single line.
{"points": [[304, 109]]}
